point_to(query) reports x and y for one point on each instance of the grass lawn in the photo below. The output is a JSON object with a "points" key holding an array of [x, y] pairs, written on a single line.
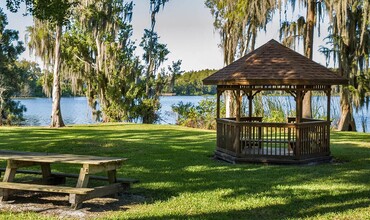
{"points": [[180, 180]]}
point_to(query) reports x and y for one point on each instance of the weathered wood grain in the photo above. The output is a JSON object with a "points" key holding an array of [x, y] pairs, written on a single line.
{"points": [[57, 158], [44, 188], [72, 175]]}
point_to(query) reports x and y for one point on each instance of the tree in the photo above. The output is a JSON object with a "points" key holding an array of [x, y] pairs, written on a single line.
{"points": [[57, 13], [303, 29], [190, 83], [175, 70], [10, 80], [98, 58], [31, 75], [349, 42], [238, 22], [155, 54], [41, 41]]}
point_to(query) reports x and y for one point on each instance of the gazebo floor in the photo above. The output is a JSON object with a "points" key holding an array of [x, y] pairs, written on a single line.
{"points": [[269, 156]]}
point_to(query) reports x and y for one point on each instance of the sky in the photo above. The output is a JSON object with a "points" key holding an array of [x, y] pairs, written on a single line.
{"points": [[186, 26]]}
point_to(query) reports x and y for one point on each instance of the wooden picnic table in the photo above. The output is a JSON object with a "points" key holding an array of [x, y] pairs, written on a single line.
{"points": [[79, 193]]}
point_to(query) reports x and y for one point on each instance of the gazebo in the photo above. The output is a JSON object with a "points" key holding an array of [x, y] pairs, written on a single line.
{"points": [[273, 67]]}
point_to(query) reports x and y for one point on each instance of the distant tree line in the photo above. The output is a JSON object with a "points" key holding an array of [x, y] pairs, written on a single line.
{"points": [[35, 83], [190, 83]]}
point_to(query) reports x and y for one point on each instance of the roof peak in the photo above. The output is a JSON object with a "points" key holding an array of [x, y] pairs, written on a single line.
{"points": [[276, 64]]}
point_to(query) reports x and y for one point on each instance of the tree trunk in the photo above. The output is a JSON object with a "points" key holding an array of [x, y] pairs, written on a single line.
{"points": [[346, 122], [254, 37], [149, 79], [104, 105], [1, 116], [56, 114], [1, 107], [310, 23], [307, 108], [229, 102], [172, 84]]}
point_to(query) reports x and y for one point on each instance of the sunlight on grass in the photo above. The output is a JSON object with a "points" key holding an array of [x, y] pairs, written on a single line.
{"points": [[180, 180]]}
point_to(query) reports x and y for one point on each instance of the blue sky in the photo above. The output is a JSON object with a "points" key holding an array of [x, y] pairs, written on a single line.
{"points": [[186, 26]]}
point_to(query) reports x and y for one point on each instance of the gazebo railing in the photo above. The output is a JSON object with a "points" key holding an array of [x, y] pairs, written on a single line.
{"points": [[253, 138]]}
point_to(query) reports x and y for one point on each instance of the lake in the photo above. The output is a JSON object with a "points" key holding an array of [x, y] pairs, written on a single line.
{"points": [[75, 110]]}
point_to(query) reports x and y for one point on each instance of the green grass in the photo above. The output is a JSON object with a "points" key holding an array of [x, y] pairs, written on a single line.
{"points": [[180, 180]]}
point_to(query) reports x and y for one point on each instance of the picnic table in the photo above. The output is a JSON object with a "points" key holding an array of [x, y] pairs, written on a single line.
{"points": [[79, 193]]}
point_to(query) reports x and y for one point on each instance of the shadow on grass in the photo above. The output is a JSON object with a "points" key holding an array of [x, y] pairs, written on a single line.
{"points": [[44, 202], [171, 161], [296, 208]]}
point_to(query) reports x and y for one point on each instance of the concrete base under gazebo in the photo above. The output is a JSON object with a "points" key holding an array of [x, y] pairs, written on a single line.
{"points": [[273, 67]]}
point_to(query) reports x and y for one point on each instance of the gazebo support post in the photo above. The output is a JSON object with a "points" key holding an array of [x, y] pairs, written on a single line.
{"points": [[298, 119], [328, 94], [218, 103], [238, 102], [250, 107], [298, 100], [237, 119]]}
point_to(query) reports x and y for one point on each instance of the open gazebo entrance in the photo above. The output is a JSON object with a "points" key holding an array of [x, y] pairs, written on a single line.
{"points": [[273, 67]]}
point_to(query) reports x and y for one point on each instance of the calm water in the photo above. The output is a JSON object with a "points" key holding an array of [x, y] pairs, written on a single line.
{"points": [[76, 110]]}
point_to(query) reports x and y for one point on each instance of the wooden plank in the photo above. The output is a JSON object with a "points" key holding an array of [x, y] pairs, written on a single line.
{"points": [[17, 164], [8, 177], [83, 178], [82, 182], [70, 175], [56, 158], [76, 201], [112, 176], [46, 172], [101, 191], [44, 188], [218, 103], [114, 165]]}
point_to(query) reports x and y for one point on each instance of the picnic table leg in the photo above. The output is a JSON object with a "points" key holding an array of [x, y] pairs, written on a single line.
{"points": [[46, 172], [48, 178], [112, 178], [83, 180], [8, 177]]}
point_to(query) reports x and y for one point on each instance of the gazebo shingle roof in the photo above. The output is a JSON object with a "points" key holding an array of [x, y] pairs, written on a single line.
{"points": [[274, 64]]}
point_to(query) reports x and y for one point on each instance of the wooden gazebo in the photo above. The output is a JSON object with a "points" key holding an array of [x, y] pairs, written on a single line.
{"points": [[249, 139]]}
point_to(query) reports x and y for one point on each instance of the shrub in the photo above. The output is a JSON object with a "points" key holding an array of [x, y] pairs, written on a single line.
{"points": [[201, 116]]}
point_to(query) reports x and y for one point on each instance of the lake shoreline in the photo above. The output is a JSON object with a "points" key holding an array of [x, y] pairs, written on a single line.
{"points": [[75, 109]]}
